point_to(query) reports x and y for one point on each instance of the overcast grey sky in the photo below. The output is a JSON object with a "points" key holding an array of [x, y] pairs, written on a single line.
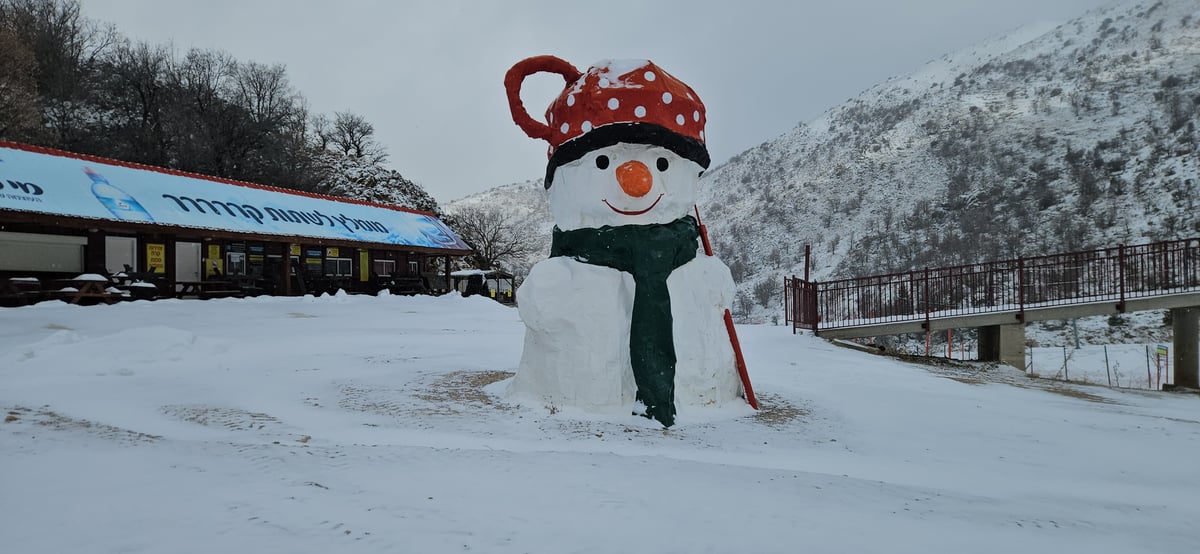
{"points": [[429, 74]]}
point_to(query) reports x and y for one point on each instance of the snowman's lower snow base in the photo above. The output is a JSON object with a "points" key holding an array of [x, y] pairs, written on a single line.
{"points": [[576, 351]]}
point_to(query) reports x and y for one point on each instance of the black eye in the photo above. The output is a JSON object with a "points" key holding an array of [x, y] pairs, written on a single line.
{"points": [[602, 162], [662, 164]]}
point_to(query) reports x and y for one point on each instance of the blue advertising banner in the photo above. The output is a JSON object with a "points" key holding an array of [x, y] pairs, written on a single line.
{"points": [[68, 186]]}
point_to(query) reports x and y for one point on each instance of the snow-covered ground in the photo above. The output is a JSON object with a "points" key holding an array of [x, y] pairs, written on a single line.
{"points": [[377, 424]]}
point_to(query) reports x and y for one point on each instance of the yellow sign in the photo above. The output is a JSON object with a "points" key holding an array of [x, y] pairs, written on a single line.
{"points": [[214, 264], [364, 265], [156, 257], [295, 249], [331, 252]]}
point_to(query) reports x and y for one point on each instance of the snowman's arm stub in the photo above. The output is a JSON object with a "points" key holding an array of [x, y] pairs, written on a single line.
{"points": [[561, 290], [577, 335], [706, 370]]}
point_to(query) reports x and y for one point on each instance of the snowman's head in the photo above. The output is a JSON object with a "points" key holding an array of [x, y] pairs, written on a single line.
{"points": [[626, 138], [624, 184]]}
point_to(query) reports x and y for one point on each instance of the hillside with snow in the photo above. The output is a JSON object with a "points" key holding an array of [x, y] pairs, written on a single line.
{"points": [[525, 203], [1079, 137], [1044, 140]]}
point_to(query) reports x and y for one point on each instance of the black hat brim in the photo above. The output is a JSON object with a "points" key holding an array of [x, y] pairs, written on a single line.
{"points": [[632, 133]]}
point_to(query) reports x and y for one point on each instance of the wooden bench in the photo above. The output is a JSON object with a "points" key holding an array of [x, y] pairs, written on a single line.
{"points": [[408, 286], [205, 290], [141, 290]]}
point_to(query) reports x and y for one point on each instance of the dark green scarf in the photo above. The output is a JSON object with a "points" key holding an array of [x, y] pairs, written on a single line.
{"points": [[650, 253]]}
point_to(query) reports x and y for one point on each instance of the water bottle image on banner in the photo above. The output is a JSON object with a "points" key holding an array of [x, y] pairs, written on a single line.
{"points": [[119, 202]]}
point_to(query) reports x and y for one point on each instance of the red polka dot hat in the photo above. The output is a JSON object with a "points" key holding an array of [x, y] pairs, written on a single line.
{"points": [[631, 101]]}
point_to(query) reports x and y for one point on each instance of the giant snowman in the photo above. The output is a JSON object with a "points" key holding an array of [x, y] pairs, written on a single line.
{"points": [[629, 312]]}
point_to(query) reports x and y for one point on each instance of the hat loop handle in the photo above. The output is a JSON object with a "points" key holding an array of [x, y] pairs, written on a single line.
{"points": [[516, 76]]}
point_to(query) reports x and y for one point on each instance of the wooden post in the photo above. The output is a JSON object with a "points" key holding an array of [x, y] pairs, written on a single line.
{"points": [[787, 306], [1185, 326], [807, 254], [285, 272], [93, 261], [169, 258]]}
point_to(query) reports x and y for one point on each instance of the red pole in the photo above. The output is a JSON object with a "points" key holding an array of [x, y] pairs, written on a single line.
{"points": [[949, 343], [741, 362], [703, 232]]}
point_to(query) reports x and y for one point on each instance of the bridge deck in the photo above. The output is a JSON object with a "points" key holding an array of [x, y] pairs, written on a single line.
{"points": [[869, 328]]}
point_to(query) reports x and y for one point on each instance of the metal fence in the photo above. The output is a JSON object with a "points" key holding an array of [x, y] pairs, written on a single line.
{"points": [[1116, 273]]}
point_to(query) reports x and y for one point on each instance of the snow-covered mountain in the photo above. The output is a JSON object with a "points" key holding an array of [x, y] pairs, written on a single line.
{"points": [[1044, 140], [1082, 137]]}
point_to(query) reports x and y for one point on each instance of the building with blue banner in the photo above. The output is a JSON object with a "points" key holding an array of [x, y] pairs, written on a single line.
{"points": [[64, 214]]}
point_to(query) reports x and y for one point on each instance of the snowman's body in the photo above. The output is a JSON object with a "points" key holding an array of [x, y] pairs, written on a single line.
{"points": [[577, 314]]}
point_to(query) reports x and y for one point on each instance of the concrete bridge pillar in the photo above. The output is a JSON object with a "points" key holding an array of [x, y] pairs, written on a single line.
{"points": [[1004, 344], [1185, 327]]}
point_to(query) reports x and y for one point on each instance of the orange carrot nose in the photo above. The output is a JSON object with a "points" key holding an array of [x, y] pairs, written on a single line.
{"points": [[635, 178]]}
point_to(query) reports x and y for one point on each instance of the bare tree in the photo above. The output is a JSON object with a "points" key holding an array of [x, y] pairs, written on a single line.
{"points": [[136, 100], [19, 103], [203, 77], [65, 47], [322, 130], [202, 83], [265, 93], [496, 236], [354, 136]]}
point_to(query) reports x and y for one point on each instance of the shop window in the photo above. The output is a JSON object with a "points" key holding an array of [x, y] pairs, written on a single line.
{"points": [[235, 263], [383, 267], [338, 267], [255, 260]]}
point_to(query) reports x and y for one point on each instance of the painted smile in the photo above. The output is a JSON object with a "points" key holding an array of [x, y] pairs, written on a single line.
{"points": [[634, 212]]}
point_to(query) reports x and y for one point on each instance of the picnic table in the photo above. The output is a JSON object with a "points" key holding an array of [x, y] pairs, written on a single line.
{"points": [[208, 289], [90, 286], [19, 291], [401, 284], [250, 285]]}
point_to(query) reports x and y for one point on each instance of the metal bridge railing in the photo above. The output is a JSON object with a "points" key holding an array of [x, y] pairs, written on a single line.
{"points": [[1116, 273]]}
